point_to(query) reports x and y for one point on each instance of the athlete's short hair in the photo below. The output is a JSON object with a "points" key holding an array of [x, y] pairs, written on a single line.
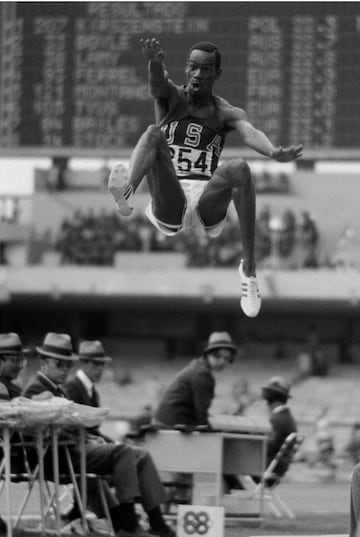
{"points": [[207, 46]]}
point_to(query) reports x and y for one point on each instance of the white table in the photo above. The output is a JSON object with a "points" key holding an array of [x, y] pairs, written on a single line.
{"points": [[211, 453]]}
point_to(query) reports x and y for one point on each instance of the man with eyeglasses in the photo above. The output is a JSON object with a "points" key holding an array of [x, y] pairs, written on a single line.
{"points": [[132, 470], [12, 361]]}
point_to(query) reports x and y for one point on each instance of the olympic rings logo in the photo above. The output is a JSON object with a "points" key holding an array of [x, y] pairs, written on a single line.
{"points": [[196, 523]]}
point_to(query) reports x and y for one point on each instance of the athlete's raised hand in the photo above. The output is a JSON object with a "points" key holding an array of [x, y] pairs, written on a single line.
{"points": [[152, 49], [287, 154]]}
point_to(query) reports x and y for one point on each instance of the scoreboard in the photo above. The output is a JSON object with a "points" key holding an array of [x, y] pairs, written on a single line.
{"points": [[72, 74]]}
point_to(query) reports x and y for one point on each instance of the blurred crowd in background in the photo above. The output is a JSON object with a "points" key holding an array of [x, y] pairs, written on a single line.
{"points": [[89, 238]]}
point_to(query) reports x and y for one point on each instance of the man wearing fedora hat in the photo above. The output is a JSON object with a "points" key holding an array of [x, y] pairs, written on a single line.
{"points": [[12, 361], [132, 470], [276, 393], [187, 399], [81, 387]]}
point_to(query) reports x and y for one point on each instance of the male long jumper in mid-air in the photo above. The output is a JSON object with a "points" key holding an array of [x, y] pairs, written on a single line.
{"points": [[180, 154]]}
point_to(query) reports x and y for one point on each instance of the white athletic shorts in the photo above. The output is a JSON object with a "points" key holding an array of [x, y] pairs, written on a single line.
{"points": [[191, 218]]}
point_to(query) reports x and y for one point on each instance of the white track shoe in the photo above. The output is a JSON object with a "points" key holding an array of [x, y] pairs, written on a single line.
{"points": [[250, 296], [120, 189]]}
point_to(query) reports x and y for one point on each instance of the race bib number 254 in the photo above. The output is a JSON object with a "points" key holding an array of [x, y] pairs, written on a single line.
{"points": [[189, 161]]}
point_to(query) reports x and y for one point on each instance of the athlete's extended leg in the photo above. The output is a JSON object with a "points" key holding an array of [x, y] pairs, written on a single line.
{"points": [[233, 181], [151, 158]]}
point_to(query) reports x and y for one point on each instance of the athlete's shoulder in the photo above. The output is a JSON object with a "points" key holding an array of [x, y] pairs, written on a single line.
{"points": [[227, 111], [172, 106], [172, 90]]}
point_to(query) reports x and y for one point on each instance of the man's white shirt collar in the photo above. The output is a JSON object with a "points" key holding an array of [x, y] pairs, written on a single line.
{"points": [[279, 409], [86, 381]]}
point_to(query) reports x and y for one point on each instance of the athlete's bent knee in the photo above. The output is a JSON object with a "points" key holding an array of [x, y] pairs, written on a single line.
{"points": [[238, 171], [155, 134]]}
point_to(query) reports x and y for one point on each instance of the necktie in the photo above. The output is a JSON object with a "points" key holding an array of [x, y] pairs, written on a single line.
{"points": [[94, 397]]}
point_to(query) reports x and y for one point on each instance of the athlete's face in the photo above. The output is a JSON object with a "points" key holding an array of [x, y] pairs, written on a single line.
{"points": [[201, 72]]}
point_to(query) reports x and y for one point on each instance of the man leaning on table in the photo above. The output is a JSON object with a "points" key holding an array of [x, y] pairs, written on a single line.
{"points": [[12, 361], [188, 398], [132, 469]]}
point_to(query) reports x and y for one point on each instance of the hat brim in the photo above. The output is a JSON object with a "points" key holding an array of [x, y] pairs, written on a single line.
{"points": [[267, 391], [71, 357], [98, 359], [215, 346], [14, 353]]}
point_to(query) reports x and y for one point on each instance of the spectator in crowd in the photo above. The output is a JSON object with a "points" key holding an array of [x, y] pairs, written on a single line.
{"points": [[309, 239], [242, 397], [345, 343], [287, 241], [131, 468], [318, 355], [263, 235], [12, 361], [325, 446], [346, 253]]}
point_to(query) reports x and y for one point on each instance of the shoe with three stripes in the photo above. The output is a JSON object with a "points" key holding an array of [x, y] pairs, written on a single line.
{"points": [[120, 189], [250, 296]]}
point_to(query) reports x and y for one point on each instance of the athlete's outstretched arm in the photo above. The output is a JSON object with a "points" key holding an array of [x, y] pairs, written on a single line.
{"points": [[158, 77], [258, 141]]}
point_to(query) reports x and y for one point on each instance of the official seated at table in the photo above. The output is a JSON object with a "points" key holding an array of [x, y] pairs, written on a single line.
{"points": [[276, 393], [132, 470], [12, 361], [81, 386], [187, 399]]}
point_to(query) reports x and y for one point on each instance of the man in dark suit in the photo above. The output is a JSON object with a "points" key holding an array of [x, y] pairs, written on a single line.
{"points": [[188, 398], [276, 393], [12, 361], [81, 387], [132, 469]]}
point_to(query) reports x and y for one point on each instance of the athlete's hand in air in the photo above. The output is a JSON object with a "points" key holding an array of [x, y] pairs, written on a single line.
{"points": [[152, 49], [287, 154]]}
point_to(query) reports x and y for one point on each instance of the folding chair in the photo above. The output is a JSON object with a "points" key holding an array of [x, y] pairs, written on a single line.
{"points": [[73, 479], [271, 479], [28, 473]]}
